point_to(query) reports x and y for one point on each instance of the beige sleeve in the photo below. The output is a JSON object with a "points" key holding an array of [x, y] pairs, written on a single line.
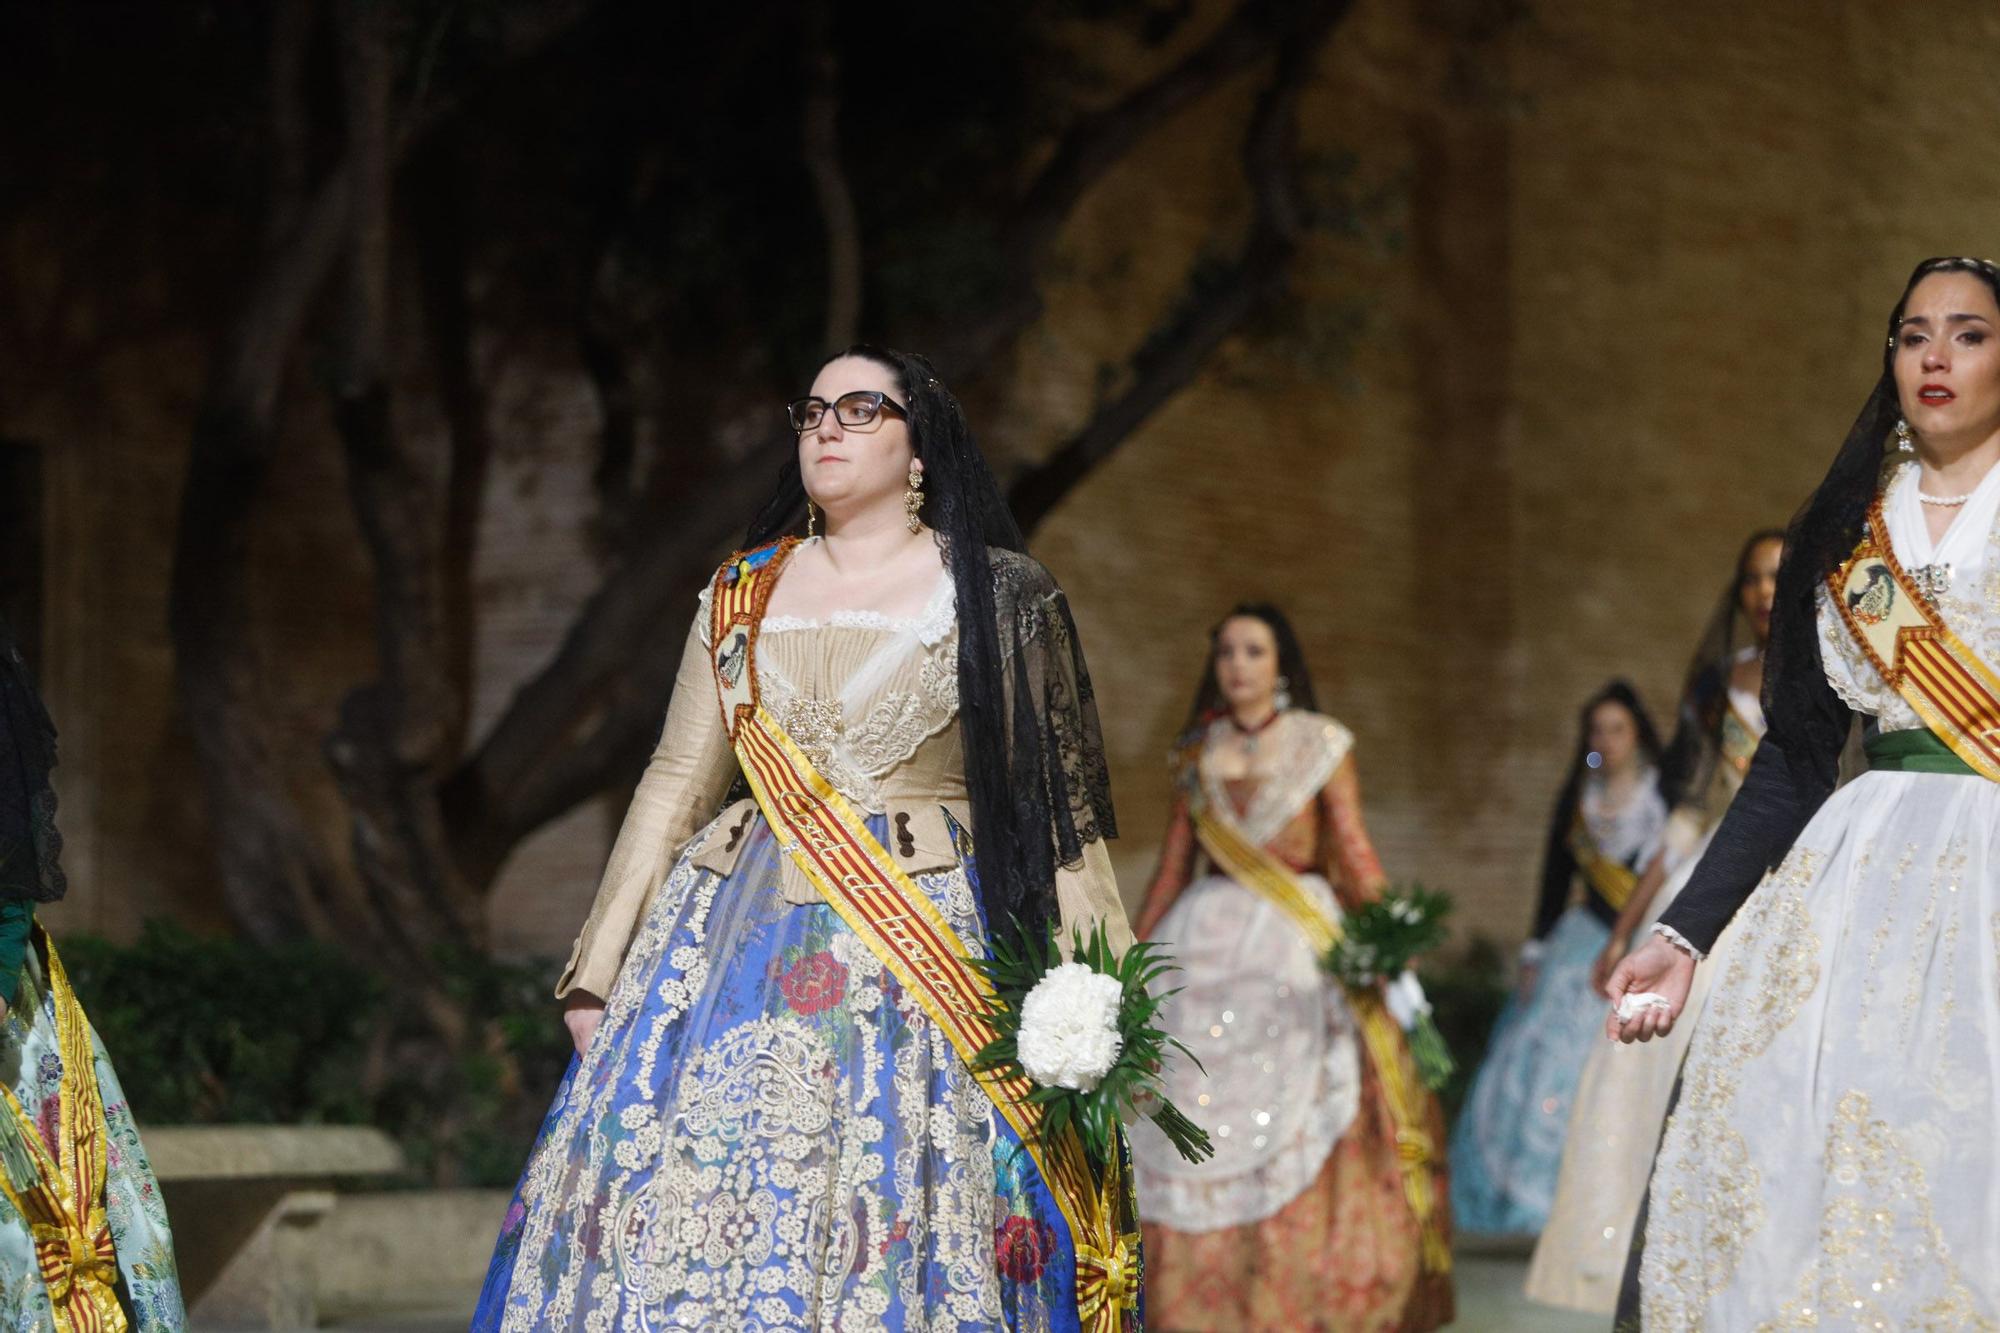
{"points": [[1089, 894], [682, 790]]}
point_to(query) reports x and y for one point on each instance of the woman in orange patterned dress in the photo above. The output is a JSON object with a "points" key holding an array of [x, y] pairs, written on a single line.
{"points": [[1308, 1216]]}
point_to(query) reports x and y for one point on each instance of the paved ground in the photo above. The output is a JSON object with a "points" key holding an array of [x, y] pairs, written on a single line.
{"points": [[1489, 1301]]}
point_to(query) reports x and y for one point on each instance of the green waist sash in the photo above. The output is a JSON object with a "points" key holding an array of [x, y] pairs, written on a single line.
{"points": [[1917, 751]]}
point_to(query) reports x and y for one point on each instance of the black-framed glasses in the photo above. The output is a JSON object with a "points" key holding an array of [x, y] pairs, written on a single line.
{"points": [[856, 411]]}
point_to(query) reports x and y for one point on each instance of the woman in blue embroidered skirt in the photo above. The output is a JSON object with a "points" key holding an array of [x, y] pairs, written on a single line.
{"points": [[1506, 1148], [763, 1129]]}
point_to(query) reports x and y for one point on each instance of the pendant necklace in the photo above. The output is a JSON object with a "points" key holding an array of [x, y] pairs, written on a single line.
{"points": [[1933, 579], [1250, 735]]}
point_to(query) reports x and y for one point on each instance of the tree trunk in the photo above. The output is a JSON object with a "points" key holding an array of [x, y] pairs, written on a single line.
{"points": [[395, 737], [273, 880]]}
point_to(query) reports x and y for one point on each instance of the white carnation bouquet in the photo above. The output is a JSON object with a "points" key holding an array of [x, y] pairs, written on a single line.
{"points": [[1081, 1029]]}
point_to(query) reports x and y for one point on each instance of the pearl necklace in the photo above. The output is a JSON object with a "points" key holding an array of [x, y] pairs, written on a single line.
{"points": [[1945, 501]]}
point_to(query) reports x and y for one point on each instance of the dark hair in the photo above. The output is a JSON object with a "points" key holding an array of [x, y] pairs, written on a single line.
{"points": [[964, 507], [1821, 536], [1291, 664], [1620, 692], [1558, 861], [1616, 692], [1750, 545], [1705, 688]]}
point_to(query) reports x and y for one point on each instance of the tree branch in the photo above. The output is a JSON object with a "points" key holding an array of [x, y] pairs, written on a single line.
{"points": [[438, 235], [290, 127], [592, 711], [602, 349], [1097, 142], [1216, 303], [273, 880]]}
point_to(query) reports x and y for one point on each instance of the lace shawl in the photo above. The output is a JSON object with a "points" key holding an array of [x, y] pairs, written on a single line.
{"points": [[1290, 769], [1060, 782], [30, 847]]}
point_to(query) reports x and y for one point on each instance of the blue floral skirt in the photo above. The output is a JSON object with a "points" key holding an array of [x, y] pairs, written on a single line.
{"points": [[1506, 1149], [767, 1133]]}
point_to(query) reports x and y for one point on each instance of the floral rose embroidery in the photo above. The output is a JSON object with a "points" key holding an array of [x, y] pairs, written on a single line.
{"points": [[898, 1233], [814, 983], [1022, 1247]]}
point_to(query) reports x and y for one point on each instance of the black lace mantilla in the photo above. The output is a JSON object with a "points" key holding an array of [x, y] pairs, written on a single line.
{"points": [[30, 847], [1055, 744]]}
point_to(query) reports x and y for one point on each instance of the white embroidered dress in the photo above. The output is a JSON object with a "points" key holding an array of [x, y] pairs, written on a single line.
{"points": [[1282, 1076], [1834, 1159]]}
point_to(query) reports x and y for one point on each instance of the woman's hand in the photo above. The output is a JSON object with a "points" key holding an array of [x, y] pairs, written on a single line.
{"points": [[1657, 967], [1613, 953], [1529, 976], [582, 1012]]}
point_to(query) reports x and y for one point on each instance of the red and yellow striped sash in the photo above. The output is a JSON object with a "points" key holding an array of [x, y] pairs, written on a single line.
{"points": [[65, 1209], [1936, 672], [892, 915]]}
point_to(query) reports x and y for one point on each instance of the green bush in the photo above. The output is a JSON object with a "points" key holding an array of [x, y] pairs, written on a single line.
{"points": [[214, 1030], [469, 1117], [206, 1030]]}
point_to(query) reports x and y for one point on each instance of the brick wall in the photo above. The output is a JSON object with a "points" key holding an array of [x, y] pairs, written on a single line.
{"points": [[1621, 302]]}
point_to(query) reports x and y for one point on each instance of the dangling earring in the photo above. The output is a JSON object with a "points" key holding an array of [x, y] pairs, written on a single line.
{"points": [[913, 499], [1904, 444], [812, 521], [1283, 698]]}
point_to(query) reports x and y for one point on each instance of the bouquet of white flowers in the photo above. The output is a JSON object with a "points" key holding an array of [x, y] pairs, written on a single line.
{"points": [[1081, 1029], [1377, 944]]}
